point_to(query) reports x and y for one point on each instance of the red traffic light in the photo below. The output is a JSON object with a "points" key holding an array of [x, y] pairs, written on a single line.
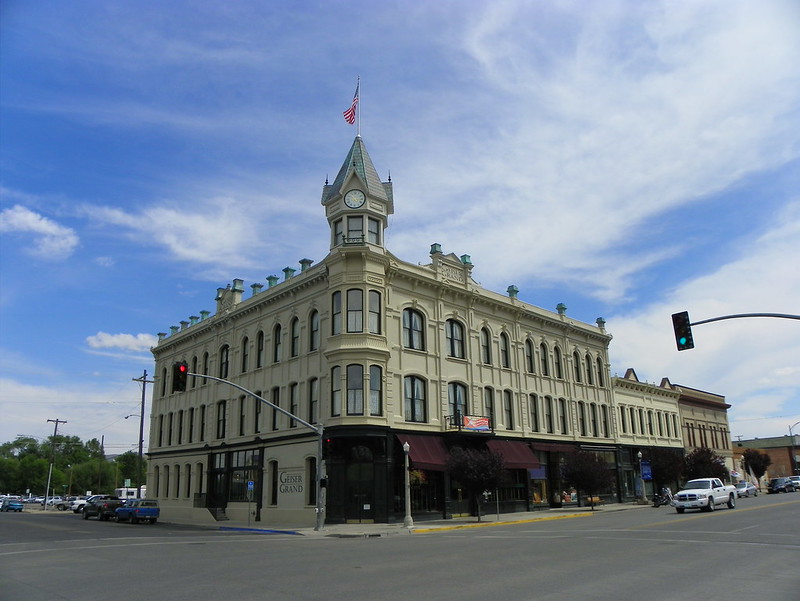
{"points": [[179, 372]]}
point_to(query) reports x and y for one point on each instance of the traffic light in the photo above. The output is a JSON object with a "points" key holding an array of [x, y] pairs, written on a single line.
{"points": [[179, 372], [683, 330]]}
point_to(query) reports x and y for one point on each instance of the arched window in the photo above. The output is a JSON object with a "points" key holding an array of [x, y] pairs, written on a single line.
{"points": [[563, 416], [543, 353], [576, 363], [505, 351], [205, 365], [313, 331], [374, 316], [457, 400], [294, 332], [260, 349], [224, 354], [488, 405], [221, 418], [600, 378], [530, 361], [533, 407], [582, 418], [558, 363], [194, 371], [355, 389], [313, 400], [589, 370], [355, 310], [548, 414], [593, 409], [486, 347], [414, 399], [164, 382], [508, 409], [413, 330], [245, 353], [294, 402], [455, 338], [276, 343]]}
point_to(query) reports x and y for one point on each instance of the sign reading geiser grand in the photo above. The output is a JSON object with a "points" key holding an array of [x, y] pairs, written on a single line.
{"points": [[291, 482]]}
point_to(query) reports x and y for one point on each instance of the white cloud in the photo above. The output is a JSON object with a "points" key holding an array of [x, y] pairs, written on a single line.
{"points": [[51, 241], [128, 342]]}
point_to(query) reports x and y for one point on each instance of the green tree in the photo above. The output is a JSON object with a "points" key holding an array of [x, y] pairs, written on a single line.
{"points": [[477, 471], [705, 463], [666, 465], [756, 462], [587, 472]]}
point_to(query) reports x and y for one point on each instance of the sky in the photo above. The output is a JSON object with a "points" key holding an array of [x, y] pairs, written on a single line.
{"points": [[628, 158]]}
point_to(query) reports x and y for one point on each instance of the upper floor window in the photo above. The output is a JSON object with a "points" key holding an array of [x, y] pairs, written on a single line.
{"points": [[221, 418], [276, 400], [457, 399], [589, 370], [413, 330], [206, 361], [486, 347], [313, 331], [548, 414], [373, 231], [336, 313], [338, 232], [529, 358], [276, 344], [355, 389], [545, 363], [455, 338], [194, 371], [313, 400], [533, 407], [488, 404], [260, 349], [245, 353], [505, 351], [414, 399], [582, 418], [563, 416], [375, 390], [164, 382], [374, 312], [355, 310], [224, 353], [336, 391], [558, 363], [600, 378], [508, 409], [355, 228], [294, 402], [576, 364], [593, 414], [294, 331]]}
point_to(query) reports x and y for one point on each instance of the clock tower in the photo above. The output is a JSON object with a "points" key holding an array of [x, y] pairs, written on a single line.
{"points": [[357, 203]]}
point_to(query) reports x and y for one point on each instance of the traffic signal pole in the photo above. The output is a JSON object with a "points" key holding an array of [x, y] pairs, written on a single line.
{"points": [[318, 430], [683, 328]]}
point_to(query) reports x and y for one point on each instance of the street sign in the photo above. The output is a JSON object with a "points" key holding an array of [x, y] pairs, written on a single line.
{"points": [[251, 485]]}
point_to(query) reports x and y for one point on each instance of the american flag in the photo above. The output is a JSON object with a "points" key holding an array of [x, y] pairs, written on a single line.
{"points": [[350, 114]]}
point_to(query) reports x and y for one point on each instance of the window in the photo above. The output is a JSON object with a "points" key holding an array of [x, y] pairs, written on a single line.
{"points": [[355, 389], [194, 371], [413, 330], [505, 351], [488, 404], [294, 403], [548, 414], [245, 353], [294, 329], [486, 347], [276, 400], [455, 338], [600, 378], [338, 233], [242, 414], [202, 423], [355, 228], [336, 391], [593, 412], [576, 363], [563, 416], [373, 231], [457, 399], [623, 415], [221, 408], [558, 363], [313, 400], [375, 390], [582, 418], [257, 404], [543, 357], [164, 382], [161, 430], [190, 434], [276, 344], [205, 365], [533, 407], [508, 409], [260, 349], [374, 312], [650, 423], [414, 399], [355, 310], [224, 353], [589, 374], [313, 334], [530, 361], [336, 313]]}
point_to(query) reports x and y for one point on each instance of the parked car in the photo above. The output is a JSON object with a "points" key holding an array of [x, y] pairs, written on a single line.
{"points": [[101, 506], [777, 485], [795, 482], [138, 510], [11, 505], [746, 489], [76, 505]]}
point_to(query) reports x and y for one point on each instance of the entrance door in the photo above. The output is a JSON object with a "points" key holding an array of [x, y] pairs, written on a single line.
{"points": [[360, 487]]}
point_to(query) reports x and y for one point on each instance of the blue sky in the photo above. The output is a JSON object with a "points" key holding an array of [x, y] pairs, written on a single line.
{"points": [[629, 159]]}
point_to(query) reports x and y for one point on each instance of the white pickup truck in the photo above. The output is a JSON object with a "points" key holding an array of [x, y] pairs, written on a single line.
{"points": [[705, 494]]}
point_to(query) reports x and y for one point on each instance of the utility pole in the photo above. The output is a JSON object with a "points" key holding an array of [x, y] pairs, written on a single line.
{"points": [[52, 458], [144, 382]]}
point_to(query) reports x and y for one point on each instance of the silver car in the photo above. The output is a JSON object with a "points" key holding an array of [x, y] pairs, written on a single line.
{"points": [[746, 489]]}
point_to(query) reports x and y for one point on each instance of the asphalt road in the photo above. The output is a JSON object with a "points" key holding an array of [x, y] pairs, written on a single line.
{"points": [[751, 552]]}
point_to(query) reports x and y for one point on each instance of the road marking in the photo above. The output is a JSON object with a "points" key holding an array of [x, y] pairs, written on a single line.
{"points": [[507, 523]]}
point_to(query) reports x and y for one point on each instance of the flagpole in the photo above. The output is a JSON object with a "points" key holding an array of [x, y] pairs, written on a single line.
{"points": [[358, 115]]}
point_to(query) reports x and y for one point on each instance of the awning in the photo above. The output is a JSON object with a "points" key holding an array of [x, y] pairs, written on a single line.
{"points": [[425, 452], [517, 455], [553, 446]]}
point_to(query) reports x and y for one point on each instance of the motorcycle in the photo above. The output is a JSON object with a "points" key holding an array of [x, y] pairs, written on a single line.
{"points": [[664, 498]]}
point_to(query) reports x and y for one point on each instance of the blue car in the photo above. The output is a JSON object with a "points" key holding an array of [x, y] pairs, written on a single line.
{"points": [[138, 510], [11, 505]]}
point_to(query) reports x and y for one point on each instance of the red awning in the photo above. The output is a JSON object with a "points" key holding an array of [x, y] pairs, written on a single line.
{"points": [[517, 455], [425, 452], [553, 446]]}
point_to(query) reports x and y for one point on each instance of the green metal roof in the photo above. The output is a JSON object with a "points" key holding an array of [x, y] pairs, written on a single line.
{"points": [[358, 162]]}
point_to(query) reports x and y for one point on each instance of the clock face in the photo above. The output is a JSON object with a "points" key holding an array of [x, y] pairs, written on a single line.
{"points": [[354, 199]]}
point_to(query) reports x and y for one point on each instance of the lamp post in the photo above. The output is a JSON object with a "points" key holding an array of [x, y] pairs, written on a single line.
{"points": [[408, 521], [643, 499], [795, 471]]}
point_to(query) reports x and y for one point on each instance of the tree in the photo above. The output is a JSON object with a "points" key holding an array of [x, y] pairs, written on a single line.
{"points": [[587, 472], [476, 470], [756, 462], [666, 465], [705, 463]]}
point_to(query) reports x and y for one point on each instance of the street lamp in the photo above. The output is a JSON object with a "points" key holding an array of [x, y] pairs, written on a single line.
{"points": [[794, 457], [408, 521], [643, 499]]}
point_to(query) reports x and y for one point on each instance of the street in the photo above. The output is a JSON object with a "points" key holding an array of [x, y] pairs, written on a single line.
{"points": [[751, 552]]}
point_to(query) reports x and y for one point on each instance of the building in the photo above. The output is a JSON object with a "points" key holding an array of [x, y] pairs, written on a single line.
{"points": [[783, 451], [383, 352]]}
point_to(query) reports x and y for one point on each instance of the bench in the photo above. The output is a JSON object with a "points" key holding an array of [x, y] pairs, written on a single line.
{"points": [[594, 501]]}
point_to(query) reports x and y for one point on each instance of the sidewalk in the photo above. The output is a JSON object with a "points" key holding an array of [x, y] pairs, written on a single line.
{"points": [[366, 530]]}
